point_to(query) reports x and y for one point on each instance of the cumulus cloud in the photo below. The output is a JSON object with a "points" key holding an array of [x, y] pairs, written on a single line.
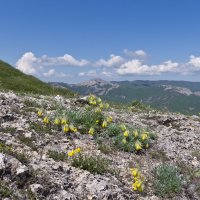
{"points": [[30, 64], [136, 66], [111, 62], [195, 62], [132, 64], [137, 53]]}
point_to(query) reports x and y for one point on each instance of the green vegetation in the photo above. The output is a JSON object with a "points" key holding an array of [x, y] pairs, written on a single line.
{"points": [[28, 141], [93, 164], [57, 156], [167, 181], [13, 79], [149, 93], [40, 128], [7, 149], [4, 191]]}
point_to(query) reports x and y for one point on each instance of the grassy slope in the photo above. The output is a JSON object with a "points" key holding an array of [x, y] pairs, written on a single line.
{"points": [[13, 79]]}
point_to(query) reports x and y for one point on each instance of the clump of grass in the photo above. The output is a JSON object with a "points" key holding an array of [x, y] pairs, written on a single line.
{"points": [[167, 181], [30, 103], [28, 141], [57, 156], [85, 119], [105, 148], [40, 128], [158, 155], [22, 157], [8, 130], [113, 130], [7, 149], [196, 154], [93, 164], [138, 105], [4, 191]]}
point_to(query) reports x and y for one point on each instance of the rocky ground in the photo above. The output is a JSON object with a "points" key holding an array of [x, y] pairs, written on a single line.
{"points": [[28, 172]]}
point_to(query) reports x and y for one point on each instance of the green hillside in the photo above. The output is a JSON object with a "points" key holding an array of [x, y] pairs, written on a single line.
{"points": [[13, 79], [175, 96]]}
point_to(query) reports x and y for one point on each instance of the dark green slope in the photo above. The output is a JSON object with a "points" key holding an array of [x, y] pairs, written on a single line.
{"points": [[149, 92], [13, 79]]}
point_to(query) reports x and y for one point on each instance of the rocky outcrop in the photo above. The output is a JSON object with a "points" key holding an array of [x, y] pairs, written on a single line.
{"points": [[29, 173]]}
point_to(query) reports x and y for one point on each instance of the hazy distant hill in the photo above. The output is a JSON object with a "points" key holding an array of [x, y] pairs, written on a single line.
{"points": [[177, 96], [13, 79]]}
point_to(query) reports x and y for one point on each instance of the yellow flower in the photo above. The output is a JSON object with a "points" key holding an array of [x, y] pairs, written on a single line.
{"points": [[123, 127], [91, 131], [71, 153], [99, 100], [135, 133], [46, 120], [147, 146], [97, 110], [77, 150], [134, 171], [93, 102], [109, 119], [104, 125], [144, 136], [39, 113], [97, 121], [126, 133], [101, 105], [57, 121], [107, 105], [63, 121], [124, 140], [134, 185], [65, 128], [72, 128], [141, 188], [138, 145]]}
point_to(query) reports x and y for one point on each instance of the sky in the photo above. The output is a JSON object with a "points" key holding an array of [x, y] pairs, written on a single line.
{"points": [[76, 40]]}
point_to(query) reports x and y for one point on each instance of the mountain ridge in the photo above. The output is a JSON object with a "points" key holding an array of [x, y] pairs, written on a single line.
{"points": [[175, 96]]}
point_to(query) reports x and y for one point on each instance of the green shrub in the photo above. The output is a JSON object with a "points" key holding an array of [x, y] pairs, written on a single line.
{"points": [[113, 130], [167, 181], [4, 191], [93, 164], [28, 141], [85, 119], [40, 128], [57, 156]]}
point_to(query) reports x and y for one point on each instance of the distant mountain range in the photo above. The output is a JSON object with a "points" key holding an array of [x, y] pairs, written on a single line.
{"points": [[176, 96]]}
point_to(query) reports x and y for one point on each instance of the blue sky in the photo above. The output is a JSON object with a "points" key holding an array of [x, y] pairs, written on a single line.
{"points": [[77, 40]]}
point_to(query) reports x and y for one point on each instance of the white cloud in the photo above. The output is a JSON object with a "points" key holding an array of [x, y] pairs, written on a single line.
{"points": [[136, 66], [28, 63], [137, 53], [133, 64], [113, 61], [105, 73], [195, 62], [90, 73], [51, 72]]}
